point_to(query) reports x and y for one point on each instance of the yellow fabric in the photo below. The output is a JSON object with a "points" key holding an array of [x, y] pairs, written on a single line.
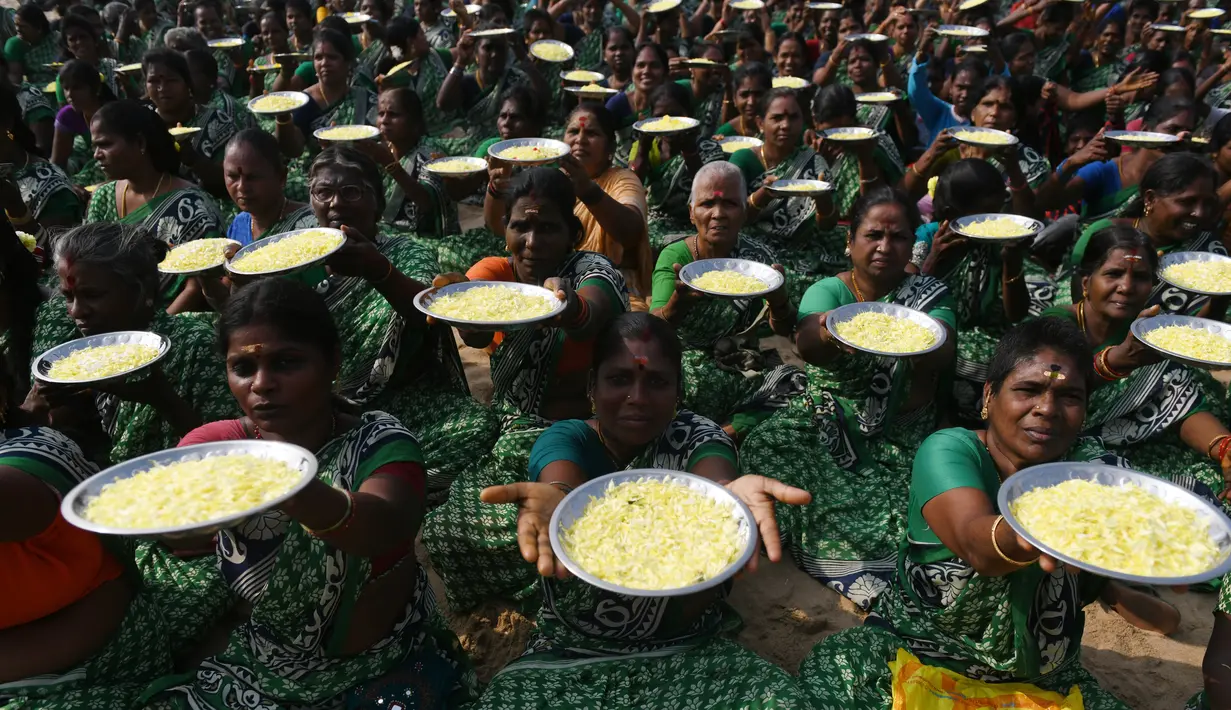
{"points": [[624, 187], [920, 687], [321, 13]]}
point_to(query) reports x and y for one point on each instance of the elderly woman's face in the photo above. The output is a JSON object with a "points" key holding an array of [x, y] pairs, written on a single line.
{"points": [[1119, 288], [882, 245], [1038, 412], [341, 197], [860, 64], [635, 392], [281, 384], [253, 184], [539, 236], [718, 212], [99, 300]]}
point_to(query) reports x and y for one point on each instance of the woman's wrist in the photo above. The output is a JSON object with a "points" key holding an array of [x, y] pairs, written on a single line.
{"points": [[591, 195], [379, 270]]}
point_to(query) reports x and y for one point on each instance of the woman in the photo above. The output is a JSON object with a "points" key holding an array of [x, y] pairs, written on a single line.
{"points": [[135, 152], [619, 52], [168, 83], [425, 73], [436, 30], [334, 101], [35, 47], [82, 40], [1101, 66], [969, 594], [750, 83], [653, 653], [522, 115], [232, 61], [708, 86], [592, 21], [997, 104], [649, 73], [851, 437], [371, 39], [539, 376], [807, 230], [71, 149], [1105, 187], [476, 97], [726, 376], [611, 201], [417, 201], [1154, 412], [1178, 209], [255, 175], [668, 165], [150, 29], [336, 605], [275, 40], [35, 194], [300, 20], [988, 282], [896, 118]]}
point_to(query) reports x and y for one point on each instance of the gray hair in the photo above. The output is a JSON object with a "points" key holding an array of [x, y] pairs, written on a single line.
{"points": [[112, 13], [718, 170], [132, 252], [182, 39]]}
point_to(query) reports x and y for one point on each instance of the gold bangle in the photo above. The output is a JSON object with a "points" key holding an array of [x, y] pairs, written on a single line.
{"points": [[753, 204], [1209, 450], [350, 508], [1017, 278], [1003, 556]]}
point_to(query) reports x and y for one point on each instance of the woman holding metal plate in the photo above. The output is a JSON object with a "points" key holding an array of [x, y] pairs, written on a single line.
{"points": [[334, 605], [665, 651], [852, 435], [539, 375], [969, 594], [727, 377], [1158, 413]]}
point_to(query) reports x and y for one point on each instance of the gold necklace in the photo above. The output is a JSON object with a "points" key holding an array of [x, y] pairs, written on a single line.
{"points": [[855, 283], [124, 195], [696, 256]]}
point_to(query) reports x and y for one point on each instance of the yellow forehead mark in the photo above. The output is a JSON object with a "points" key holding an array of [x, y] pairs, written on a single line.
{"points": [[1055, 373], [251, 349]]}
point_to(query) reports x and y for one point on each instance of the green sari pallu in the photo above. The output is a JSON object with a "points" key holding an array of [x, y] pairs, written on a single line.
{"points": [[47, 191], [479, 121], [668, 189], [1050, 62], [588, 51], [1098, 77], [38, 56], [473, 545], [404, 214], [210, 143], [595, 649], [415, 374], [1022, 627], [727, 377], [358, 106], [302, 594], [847, 441], [137, 651], [35, 106]]}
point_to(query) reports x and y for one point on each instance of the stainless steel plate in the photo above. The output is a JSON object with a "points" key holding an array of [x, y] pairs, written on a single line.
{"points": [[841, 314], [961, 31], [474, 166], [582, 76], [1031, 226], [544, 43], [1181, 257], [648, 125], [731, 144], [867, 37], [973, 135], [879, 97], [74, 504], [852, 134], [556, 150], [221, 258], [261, 244], [1050, 474], [1142, 139], [782, 188], [1142, 326], [574, 504], [42, 363], [601, 93], [369, 132], [764, 272], [424, 301], [300, 97]]}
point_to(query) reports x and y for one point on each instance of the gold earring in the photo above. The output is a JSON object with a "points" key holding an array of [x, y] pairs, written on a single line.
{"points": [[848, 248], [983, 413], [1085, 293], [1147, 210]]}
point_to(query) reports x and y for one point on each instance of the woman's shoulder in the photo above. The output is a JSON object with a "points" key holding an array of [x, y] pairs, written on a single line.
{"points": [[1065, 312], [45, 453], [955, 440]]}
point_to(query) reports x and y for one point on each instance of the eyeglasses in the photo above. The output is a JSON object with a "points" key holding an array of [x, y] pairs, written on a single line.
{"points": [[347, 193]]}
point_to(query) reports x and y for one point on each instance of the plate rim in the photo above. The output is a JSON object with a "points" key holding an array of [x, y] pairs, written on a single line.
{"points": [[1138, 329], [278, 93]]}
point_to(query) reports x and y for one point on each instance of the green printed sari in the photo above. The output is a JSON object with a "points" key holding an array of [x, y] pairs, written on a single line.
{"points": [[1022, 627], [473, 545], [439, 35], [38, 56], [1096, 77], [593, 648], [217, 127], [589, 50], [668, 189], [235, 108], [848, 441], [35, 105], [413, 373], [358, 106], [1050, 62], [303, 592], [727, 377], [404, 214], [479, 120], [176, 217], [137, 651], [47, 191], [368, 60]]}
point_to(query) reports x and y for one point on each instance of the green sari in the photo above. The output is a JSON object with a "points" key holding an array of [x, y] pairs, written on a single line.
{"points": [[176, 217], [234, 108], [473, 545], [727, 377], [47, 191], [358, 106], [137, 650], [414, 374], [594, 649], [848, 441], [1093, 78], [479, 120], [217, 128], [668, 189], [1022, 627], [588, 52], [302, 593], [368, 59], [404, 214], [1050, 62], [439, 35], [36, 107], [38, 56], [788, 226]]}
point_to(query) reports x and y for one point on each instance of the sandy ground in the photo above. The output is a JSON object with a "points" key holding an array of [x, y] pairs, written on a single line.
{"points": [[786, 613]]}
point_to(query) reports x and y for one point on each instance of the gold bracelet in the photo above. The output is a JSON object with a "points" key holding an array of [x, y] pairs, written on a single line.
{"points": [[1003, 556], [753, 204], [392, 166], [1209, 450], [350, 508], [1017, 278]]}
